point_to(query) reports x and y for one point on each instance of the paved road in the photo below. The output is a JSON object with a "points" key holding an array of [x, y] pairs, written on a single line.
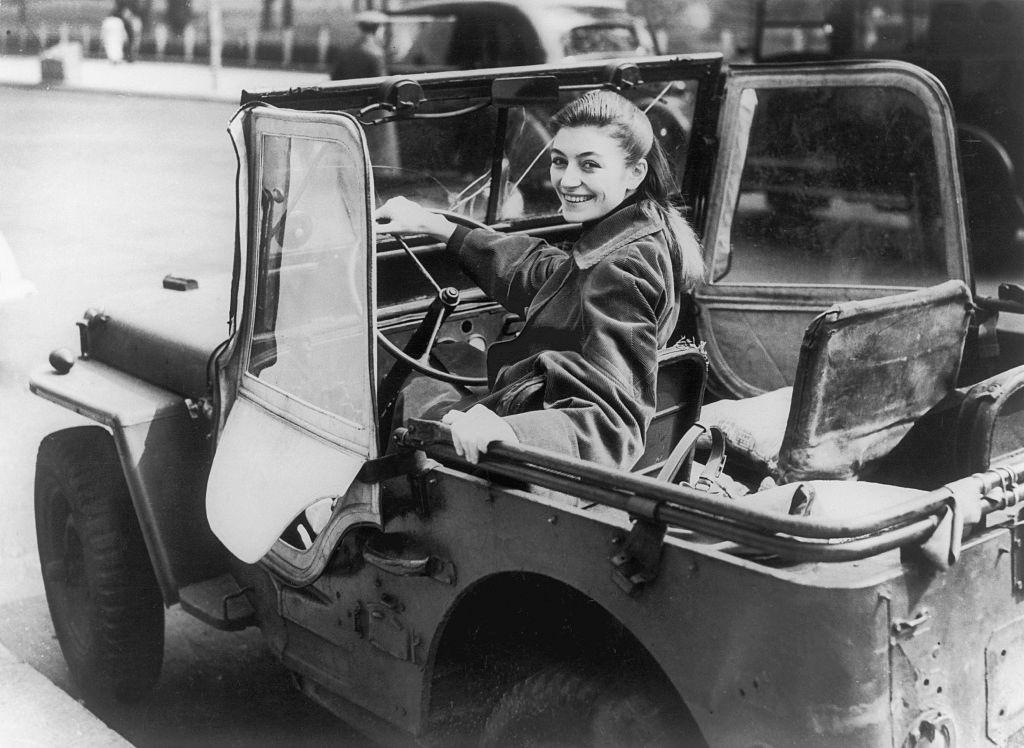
{"points": [[101, 194], [217, 688]]}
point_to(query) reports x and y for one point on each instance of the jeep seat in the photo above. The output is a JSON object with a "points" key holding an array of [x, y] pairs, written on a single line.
{"points": [[867, 371]]}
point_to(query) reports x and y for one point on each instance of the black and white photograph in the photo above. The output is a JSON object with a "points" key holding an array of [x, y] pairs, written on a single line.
{"points": [[512, 373]]}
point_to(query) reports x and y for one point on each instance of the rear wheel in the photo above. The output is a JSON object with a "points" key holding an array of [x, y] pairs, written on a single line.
{"points": [[566, 706], [103, 595]]}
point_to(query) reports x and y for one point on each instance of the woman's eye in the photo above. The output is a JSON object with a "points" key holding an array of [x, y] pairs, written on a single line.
{"points": [[591, 165], [558, 161]]}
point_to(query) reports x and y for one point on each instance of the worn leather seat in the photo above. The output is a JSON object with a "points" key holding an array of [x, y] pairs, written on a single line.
{"points": [[867, 371]]}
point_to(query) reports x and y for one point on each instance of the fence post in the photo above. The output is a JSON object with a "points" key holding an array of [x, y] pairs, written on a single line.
{"points": [[64, 32], [216, 40], [160, 34], [287, 42], [86, 38], [251, 38], [44, 36], [323, 43], [189, 42]]}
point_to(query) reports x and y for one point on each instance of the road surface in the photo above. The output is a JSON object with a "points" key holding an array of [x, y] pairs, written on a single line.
{"points": [[101, 194]]}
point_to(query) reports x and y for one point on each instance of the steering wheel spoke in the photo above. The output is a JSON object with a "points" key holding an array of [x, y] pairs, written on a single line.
{"points": [[416, 354]]}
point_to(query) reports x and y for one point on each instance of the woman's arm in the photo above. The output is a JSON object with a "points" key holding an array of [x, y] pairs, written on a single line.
{"points": [[509, 268]]}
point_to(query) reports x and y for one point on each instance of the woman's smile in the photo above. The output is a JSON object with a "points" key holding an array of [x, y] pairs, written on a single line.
{"points": [[589, 172]]}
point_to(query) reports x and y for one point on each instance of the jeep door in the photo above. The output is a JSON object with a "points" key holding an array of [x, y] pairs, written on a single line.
{"points": [[302, 421], [832, 184]]}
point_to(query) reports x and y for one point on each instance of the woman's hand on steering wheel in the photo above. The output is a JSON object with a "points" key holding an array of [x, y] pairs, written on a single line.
{"points": [[400, 215]]}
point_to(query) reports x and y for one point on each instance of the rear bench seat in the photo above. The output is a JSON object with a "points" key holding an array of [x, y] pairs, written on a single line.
{"points": [[867, 371]]}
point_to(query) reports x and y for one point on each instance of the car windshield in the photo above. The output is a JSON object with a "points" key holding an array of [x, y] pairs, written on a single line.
{"points": [[879, 28], [600, 39], [447, 162], [420, 42]]}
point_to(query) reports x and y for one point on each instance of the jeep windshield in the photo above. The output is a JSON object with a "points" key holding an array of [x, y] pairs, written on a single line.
{"points": [[456, 148]]}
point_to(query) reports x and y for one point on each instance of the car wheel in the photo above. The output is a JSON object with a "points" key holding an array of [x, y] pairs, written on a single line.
{"points": [[103, 596], [566, 706]]}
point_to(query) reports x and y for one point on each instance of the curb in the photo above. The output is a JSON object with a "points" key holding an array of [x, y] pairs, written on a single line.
{"points": [[35, 712], [181, 81], [151, 94]]}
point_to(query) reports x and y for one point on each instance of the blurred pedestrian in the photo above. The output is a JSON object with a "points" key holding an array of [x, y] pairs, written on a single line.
{"points": [[128, 10], [114, 37], [365, 58]]}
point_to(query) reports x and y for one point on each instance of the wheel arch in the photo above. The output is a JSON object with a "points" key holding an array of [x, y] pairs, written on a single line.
{"points": [[510, 624], [165, 459]]}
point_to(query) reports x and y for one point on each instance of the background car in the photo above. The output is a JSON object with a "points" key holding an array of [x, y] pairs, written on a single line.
{"points": [[430, 36], [975, 47]]}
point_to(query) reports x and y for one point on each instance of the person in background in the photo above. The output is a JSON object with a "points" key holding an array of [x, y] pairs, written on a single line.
{"points": [[365, 58], [580, 378], [114, 37], [128, 12]]}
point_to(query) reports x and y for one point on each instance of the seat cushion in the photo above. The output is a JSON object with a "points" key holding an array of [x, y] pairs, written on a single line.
{"points": [[753, 427]]}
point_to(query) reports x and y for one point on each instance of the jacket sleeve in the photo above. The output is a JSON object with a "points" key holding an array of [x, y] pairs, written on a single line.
{"points": [[510, 268], [599, 402]]}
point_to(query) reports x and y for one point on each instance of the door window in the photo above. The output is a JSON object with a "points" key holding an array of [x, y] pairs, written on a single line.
{"points": [[309, 329], [839, 186]]}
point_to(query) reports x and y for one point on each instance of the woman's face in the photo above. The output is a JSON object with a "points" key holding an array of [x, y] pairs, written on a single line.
{"points": [[589, 172]]}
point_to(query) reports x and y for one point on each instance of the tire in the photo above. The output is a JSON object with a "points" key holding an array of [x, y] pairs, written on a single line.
{"points": [[103, 596], [566, 706]]}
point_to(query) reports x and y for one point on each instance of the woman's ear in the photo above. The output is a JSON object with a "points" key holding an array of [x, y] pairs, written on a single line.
{"points": [[636, 174]]}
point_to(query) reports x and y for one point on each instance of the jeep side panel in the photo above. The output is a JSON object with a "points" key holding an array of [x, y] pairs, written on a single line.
{"points": [[795, 655]]}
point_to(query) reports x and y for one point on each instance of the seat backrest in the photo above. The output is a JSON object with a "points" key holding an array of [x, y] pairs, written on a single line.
{"points": [[867, 370], [682, 377]]}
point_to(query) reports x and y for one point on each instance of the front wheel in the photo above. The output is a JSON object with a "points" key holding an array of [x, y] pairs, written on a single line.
{"points": [[566, 706], [103, 595]]}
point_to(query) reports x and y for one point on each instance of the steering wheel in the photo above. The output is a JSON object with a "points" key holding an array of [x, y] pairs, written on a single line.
{"points": [[416, 354]]}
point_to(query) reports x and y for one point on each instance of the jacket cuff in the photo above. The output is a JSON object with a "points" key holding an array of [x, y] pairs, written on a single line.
{"points": [[458, 236], [548, 429]]}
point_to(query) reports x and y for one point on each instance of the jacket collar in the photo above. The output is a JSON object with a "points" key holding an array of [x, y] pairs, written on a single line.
{"points": [[619, 228]]}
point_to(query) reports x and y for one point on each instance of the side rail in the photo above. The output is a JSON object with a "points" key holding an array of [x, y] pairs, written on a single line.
{"points": [[928, 518]]}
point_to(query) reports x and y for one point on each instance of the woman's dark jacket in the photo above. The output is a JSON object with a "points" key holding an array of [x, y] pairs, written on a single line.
{"points": [[580, 377]]}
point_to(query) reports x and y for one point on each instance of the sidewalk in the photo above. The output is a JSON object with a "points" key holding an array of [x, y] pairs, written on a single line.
{"points": [[34, 712], [168, 79]]}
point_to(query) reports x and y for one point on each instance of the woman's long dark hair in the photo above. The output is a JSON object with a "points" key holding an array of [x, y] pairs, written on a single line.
{"points": [[632, 130]]}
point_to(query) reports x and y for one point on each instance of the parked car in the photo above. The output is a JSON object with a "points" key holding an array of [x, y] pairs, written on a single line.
{"points": [[475, 34], [860, 584], [975, 47]]}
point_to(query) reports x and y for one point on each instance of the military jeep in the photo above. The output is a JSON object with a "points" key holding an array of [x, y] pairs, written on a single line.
{"points": [[820, 545]]}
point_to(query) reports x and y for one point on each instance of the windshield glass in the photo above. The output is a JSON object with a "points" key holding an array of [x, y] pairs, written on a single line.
{"points": [[441, 163], [526, 185], [309, 330], [446, 163]]}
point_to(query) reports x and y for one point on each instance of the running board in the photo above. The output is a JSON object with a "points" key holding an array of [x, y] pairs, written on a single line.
{"points": [[219, 602]]}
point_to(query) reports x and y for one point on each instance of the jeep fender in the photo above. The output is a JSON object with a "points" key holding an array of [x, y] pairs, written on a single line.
{"points": [[165, 456]]}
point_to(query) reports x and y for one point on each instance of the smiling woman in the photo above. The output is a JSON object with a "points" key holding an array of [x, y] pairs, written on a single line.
{"points": [[580, 377]]}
